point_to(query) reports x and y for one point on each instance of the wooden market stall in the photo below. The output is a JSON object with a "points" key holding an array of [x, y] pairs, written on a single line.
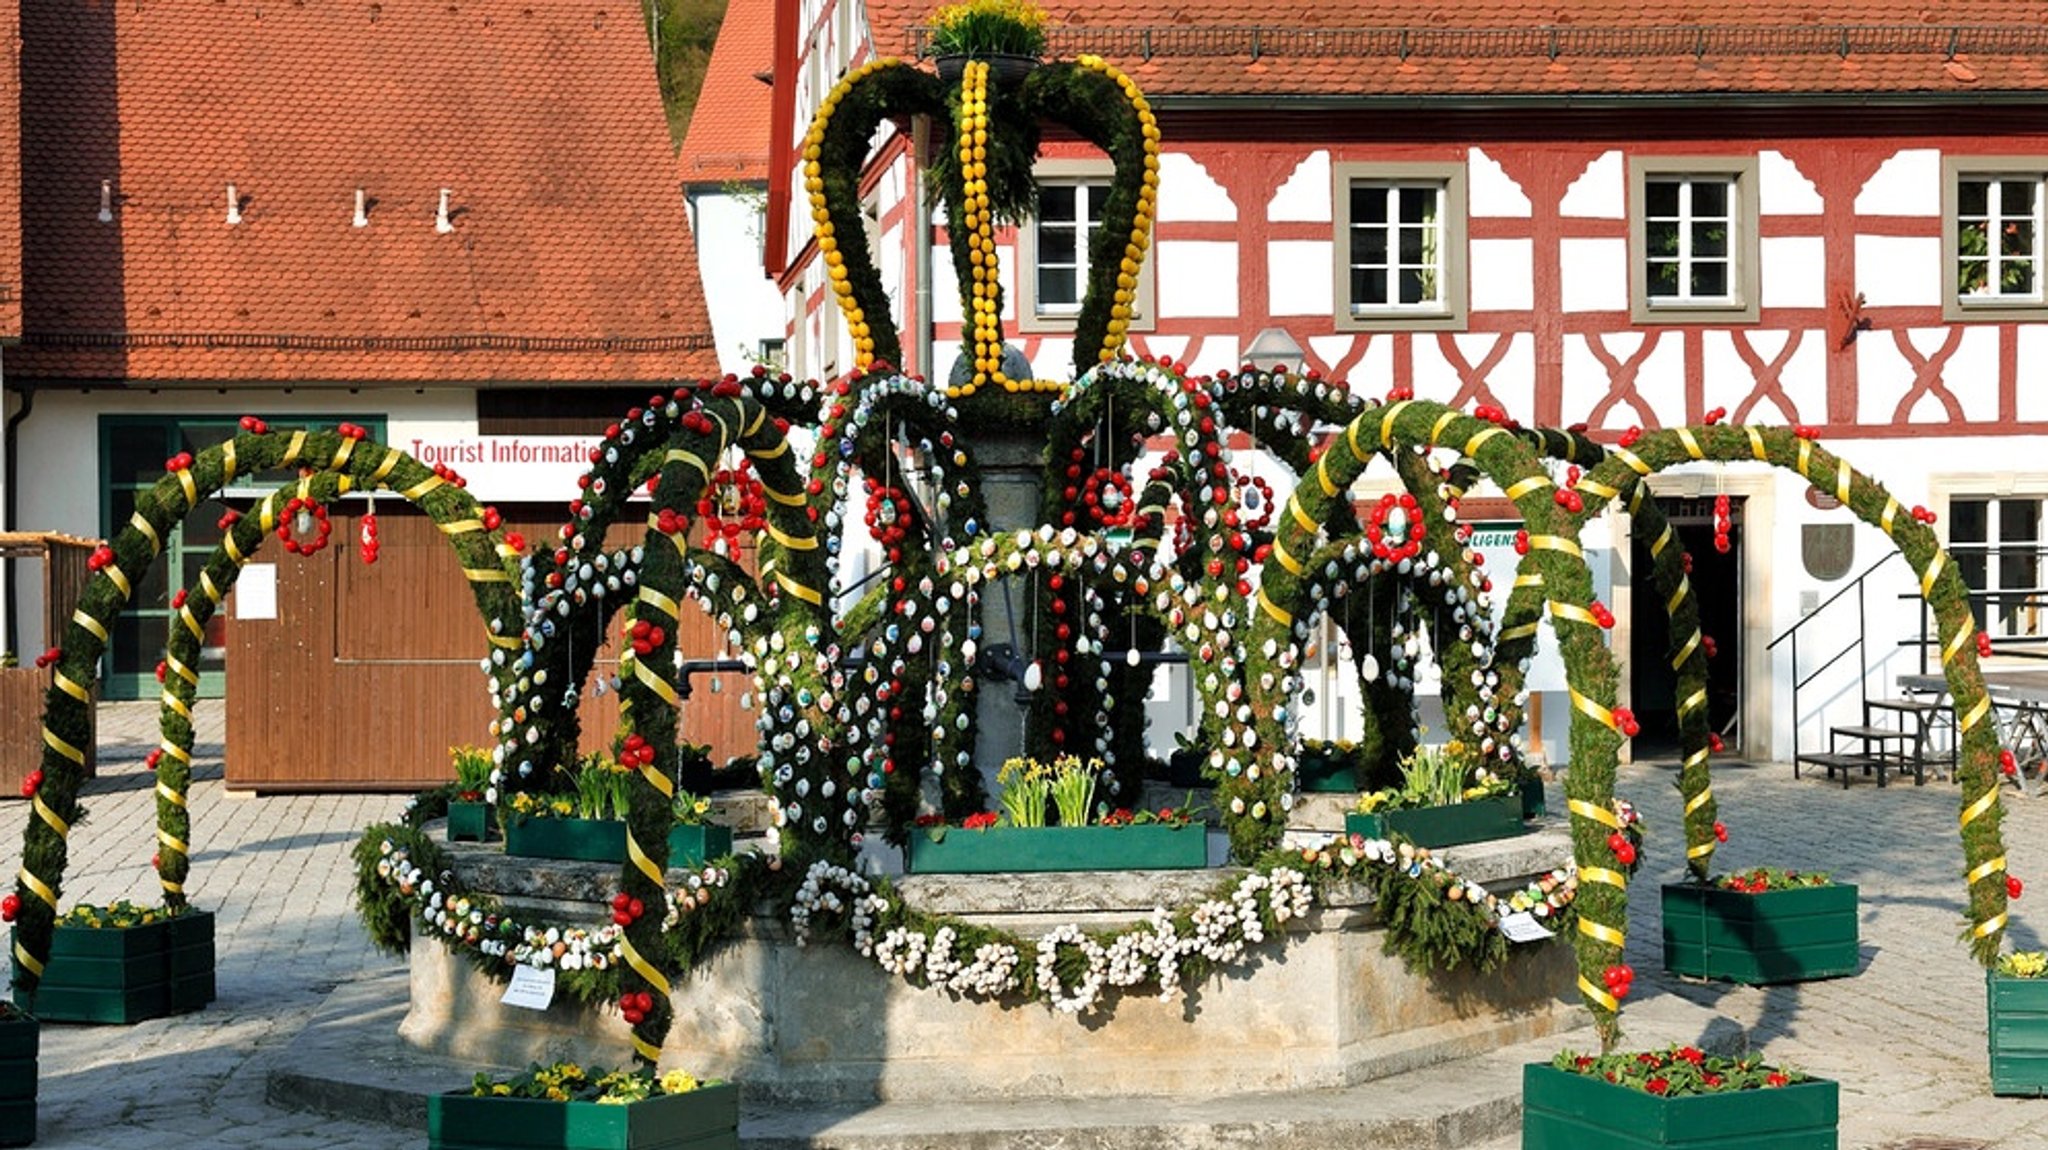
{"points": [[62, 563]]}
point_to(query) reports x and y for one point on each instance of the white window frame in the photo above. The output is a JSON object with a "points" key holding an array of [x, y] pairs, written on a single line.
{"points": [[1739, 304], [1035, 318], [2002, 621], [1992, 305], [1448, 311]]}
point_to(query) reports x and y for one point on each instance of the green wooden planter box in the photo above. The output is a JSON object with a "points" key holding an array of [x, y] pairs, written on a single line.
{"points": [[188, 958], [19, 1040], [1785, 935], [1324, 772], [127, 975], [1562, 1111], [1534, 805], [997, 849], [604, 840], [471, 822], [96, 974], [703, 1119], [2019, 1033], [1454, 825]]}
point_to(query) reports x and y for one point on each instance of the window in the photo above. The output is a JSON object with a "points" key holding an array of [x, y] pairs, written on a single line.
{"points": [[1997, 545], [1400, 254], [1693, 239], [1052, 247], [1991, 238]]}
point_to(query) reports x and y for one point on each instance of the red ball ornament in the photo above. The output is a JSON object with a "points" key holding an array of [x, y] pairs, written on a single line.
{"points": [[1720, 831], [2014, 887]]}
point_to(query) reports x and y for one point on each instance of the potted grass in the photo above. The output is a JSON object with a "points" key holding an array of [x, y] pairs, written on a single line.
{"points": [[1008, 34], [692, 839], [1081, 836], [470, 814], [1447, 797], [20, 1038], [1761, 926], [1327, 767], [589, 825], [2016, 992], [1678, 1097], [565, 1106]]}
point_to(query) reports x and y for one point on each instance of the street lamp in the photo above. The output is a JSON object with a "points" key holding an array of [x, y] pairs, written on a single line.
{"points": [[1274, 348]]}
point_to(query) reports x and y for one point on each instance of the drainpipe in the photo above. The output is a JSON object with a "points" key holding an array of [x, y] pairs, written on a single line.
{"points": [[921, 224], [10, 639]]}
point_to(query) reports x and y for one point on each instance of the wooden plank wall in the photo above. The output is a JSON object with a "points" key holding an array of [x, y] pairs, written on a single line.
{"points": [[370, 672], [62, 560]]}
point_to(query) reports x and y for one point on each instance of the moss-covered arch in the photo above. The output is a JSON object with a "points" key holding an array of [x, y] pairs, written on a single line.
{"points": [[331, 463]]}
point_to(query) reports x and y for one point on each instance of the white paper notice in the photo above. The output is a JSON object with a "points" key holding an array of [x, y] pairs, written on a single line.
{"points": [[532, 987], [1522, 926], [256, 592]]}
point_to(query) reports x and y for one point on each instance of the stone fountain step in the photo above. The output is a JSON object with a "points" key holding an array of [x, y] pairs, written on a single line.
{"points": [[349, 1062]]}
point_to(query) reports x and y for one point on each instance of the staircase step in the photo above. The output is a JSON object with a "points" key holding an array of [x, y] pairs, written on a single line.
{"points": [[1833, 760], [1907, 706], [1871, 733]]}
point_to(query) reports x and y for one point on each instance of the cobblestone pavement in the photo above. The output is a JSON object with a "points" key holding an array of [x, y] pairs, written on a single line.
{"points": [[1905, 1037]]}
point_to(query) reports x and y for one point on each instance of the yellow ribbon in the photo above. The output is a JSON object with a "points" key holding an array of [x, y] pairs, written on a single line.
{"points": [[507, 642], [1271, 608], [91, 624], [1686, 651], [170, 794], [768, 453], [190, 488], [792, 499], [1572, 611], [27, 961], [1592, 486], [292, 448], [175, 751], [1693, 701], [414, 493], [191, 622], [227, 462], [391, 457], [38, 888], [1977, 712], [1387, 422], [1700, 850], [458, 526], [640, 965], [1984, 802], [1635, 462], [1521, 632], [1351, 440], [1842, 481], [678, 455], [1891, 512], [658, 601], [1607, 1001], [1323, 478], [183, 672], [1532, 579], [56, 743], [148, 531], [640, 860], [1694, 803], [1443, 421], [1480, 437], [1696, 758], [656, 683], [1601, 932], [1301, 518], [1990, 926], [210, 589], [171, 887], [1692, 446], [1933, 572], [1597, 813], [1954, 646], [807, 594], [1984, 870], [233, 548], [1601, 874], [1556, 543], [660, 782], [173, 841], [51, 818], [1805, 461], [1287, 561], [1526, 485], [346, 448], [1662, 541], [72, 687], [119, 579], [1635, 497], [1678, 597], [486, 575], [793, 542], [1756, 443]]}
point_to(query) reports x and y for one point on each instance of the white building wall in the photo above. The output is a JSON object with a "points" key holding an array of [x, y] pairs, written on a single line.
{"points": [[745, 306]]}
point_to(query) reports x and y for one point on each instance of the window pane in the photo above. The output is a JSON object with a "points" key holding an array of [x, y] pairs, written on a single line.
{"points": [[1971, 567], [1055, 245], [1966, 521], [1098, 197], [1412, 246], [137, 641], [1056, 202], [1661, 238], [1418, 205], [1709, 241], [2016, 197], [2018, 238], [136, 454], [1660, 198], [202, 526], [1368, 205], [1973, 197], [2019, 520], [1710, 279], [1369, 246], [1418, 285], [1710, 198], [2019, 277], [1369, 287], [1663, 279], [1056, 287]]}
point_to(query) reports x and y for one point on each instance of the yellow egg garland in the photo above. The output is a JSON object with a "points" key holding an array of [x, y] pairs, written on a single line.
{"points": [[836, 271], [1126, 297]]}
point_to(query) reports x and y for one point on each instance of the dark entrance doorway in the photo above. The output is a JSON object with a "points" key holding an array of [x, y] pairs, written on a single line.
{"points": [[1717, 583]]}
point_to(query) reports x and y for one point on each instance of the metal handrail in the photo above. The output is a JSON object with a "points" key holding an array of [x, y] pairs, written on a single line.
{"points": [[1859, 645], [1810, 615]]}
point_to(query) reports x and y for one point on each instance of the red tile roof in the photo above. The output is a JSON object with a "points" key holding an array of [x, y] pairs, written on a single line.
{"points": [[1491, 48], [728, 136], [570, 256], [10, 173]]}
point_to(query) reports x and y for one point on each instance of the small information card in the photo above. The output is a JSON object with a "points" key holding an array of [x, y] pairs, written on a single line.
{"points": [[1522, 926], [532, 987]]}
